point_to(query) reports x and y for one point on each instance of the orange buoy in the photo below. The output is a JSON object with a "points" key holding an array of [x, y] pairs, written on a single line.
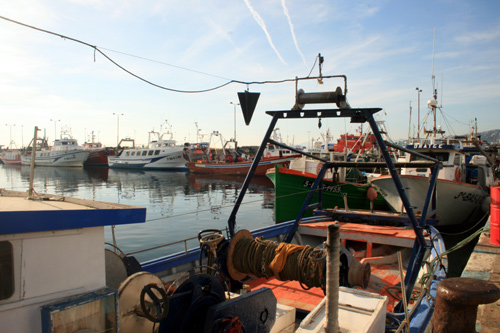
{"points": [[371, 194]]}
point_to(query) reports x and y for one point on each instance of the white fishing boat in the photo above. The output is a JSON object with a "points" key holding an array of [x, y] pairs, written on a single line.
{"points": [[461, 189], [461, 196], [65, 152], [160, 153], [273, 150]]}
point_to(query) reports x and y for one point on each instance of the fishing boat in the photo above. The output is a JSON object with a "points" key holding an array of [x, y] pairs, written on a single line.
{"points": [[161, 153], [277, 151], [65, 152], [237, 168], [228, 161], [98, 156], [292, 187], [462, 197], [355, 143], [11, 157], [462, 189]]}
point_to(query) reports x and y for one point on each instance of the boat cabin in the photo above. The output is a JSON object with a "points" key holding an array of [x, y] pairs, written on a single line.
{"points": [[65, 144], [452, 159], [52, 263], [454, 163]]}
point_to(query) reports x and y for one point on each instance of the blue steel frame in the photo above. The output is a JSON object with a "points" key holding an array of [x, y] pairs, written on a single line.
{"points": [[359, 115]]}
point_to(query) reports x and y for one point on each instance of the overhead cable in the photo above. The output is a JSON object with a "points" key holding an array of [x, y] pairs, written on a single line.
{"points": [[97, 49]]}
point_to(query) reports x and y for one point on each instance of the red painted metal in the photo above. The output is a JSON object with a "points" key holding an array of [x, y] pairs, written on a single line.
{"points": [[495, 215]]}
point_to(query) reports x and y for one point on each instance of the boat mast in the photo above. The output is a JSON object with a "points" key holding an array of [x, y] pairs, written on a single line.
{"points": [[433, 104]]}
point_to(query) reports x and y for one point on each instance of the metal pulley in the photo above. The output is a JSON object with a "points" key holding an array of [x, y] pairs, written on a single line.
{"points": [[327, 97]]}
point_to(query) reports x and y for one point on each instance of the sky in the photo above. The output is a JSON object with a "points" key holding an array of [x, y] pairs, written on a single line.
{"points": [[386, 49]]}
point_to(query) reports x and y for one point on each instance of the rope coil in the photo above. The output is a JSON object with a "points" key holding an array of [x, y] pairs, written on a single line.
{"points": [[286, 262]]}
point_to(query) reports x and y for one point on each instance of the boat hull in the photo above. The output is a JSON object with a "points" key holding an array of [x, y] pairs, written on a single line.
{"points": [[238, 168], [12, 158], [98, 157], [69, 158], [173, 160], [292, 188], [457, 203]]}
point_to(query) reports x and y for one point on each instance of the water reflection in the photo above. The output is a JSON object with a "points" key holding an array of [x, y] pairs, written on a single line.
{"points": [[179, 204]]}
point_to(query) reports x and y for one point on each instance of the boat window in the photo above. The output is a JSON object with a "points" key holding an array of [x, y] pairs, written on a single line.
{"points": [[132, 153], [144, 153], [127, 153], [6, 270], [442, 157], [157, 152], [456, 160], [150, 152]]}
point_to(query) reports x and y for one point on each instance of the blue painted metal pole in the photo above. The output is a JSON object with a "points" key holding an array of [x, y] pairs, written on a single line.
{"points": [[420, 244], [395, 178], [232, 218], [315, 185]]}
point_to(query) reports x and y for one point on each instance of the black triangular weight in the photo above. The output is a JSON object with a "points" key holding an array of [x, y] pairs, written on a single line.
{"points": [[248, 102]]}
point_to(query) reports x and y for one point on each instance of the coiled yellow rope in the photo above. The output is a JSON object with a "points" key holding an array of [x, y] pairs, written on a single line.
{"points": [[287, 262]]}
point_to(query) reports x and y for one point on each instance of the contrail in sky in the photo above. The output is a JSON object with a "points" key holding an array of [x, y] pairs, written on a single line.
{"points": [[285, 11], [260, 22]]}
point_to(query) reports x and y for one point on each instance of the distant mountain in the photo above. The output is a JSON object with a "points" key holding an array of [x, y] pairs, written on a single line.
{"points": [[490, 136]]}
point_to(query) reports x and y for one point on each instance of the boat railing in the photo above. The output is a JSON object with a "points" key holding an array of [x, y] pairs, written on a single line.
{"points": [[183, 241]]}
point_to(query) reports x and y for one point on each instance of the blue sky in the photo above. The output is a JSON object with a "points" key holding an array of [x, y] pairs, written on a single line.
{"points": [[384, 47]]}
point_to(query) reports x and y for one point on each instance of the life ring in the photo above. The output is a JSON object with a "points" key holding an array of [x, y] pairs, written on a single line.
{"points": [[458, 175], [268, 154]]}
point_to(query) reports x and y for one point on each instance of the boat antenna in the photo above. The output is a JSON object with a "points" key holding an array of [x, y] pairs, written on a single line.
{"points": [[433, 53]]}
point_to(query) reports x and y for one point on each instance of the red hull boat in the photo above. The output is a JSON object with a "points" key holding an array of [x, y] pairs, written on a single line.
{"points": [[238, 168]]}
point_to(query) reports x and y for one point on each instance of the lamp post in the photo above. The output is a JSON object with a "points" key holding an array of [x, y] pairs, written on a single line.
{"points": [[55, 122], [234, 104], [118, 126], [418, 117]]}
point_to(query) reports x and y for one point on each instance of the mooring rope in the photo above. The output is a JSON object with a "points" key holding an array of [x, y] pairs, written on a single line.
{"points": [[287, 262]]}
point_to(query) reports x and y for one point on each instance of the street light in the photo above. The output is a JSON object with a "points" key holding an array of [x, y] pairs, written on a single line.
{"points": [[234, 120], [55, 122], [118, 126], [418, 125]]}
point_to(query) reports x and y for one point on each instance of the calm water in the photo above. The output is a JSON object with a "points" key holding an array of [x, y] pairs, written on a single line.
{"points": [[179, 204]]}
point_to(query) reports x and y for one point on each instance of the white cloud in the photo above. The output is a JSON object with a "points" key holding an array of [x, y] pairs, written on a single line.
{"points": [[262, 24]]}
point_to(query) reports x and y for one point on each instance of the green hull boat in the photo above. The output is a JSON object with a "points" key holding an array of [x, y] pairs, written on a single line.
{"points": [[292, 186]]}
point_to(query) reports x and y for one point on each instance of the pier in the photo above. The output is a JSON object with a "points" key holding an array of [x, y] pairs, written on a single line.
{"points": [[484, 264]]}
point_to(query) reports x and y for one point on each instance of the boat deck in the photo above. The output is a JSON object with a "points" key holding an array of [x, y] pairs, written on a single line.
{"points": [[377, 248]]}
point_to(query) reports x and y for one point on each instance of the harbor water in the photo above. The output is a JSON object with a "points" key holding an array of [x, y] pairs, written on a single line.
{"points": [[179, 204]]}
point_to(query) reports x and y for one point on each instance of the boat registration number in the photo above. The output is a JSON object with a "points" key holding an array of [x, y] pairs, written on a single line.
{"points": [[328, 188], [475, 198]]}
